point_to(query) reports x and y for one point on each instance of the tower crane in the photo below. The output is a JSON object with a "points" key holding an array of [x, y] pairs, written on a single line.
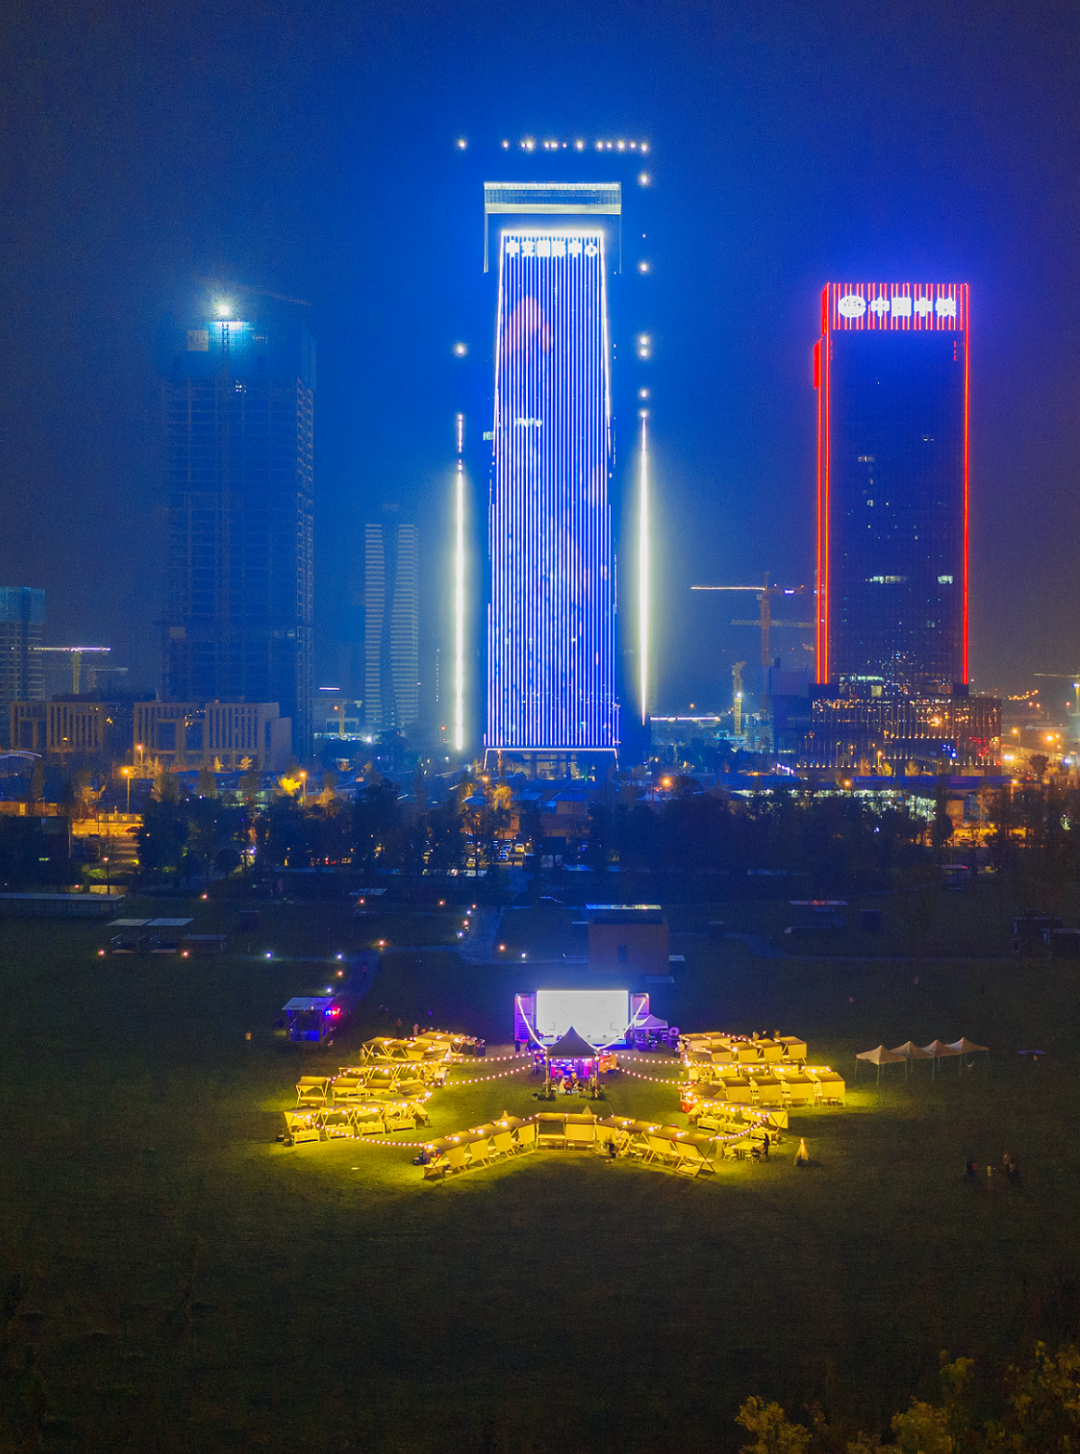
{"points": [[76, 653], [765, 622]]}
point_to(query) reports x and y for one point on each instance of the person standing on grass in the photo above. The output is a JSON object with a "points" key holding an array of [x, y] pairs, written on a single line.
{"points": [[802, 1156], [765, 1145]]}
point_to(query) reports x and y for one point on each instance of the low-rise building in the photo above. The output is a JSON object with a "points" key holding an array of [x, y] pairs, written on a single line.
{"points": [[67, 728], [219, 735]]}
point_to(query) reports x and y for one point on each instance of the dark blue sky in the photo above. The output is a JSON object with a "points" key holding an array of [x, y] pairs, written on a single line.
{"points": [[309, 149]]}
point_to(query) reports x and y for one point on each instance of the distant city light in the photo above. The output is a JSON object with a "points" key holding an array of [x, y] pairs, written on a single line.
{"points": [[223, 309], [461, 143], [644, 267], [644, 180], [460, 350]]}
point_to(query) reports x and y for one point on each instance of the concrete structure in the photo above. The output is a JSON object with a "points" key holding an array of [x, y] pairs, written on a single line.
{"points": [[391, 627], [238, 402], [207, 734], [628, 939]]}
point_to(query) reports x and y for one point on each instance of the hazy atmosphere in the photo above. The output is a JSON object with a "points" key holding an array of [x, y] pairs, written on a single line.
{"points": [[310, 151]]}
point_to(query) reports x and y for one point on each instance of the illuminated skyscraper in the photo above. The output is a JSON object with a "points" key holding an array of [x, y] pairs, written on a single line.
{"points": [[391, 626], [238, 405], [551, 661], [891, 371]]}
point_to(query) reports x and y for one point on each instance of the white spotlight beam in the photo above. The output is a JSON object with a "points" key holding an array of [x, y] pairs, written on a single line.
{"points": [[643, 567], [459, 610]]}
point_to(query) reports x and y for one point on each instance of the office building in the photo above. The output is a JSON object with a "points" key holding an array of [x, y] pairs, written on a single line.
{"points": [[856, 731], [224, 736], [551, 655], [238, 414], [22, 616], [70, 729], [891, 370], [391, 627]]}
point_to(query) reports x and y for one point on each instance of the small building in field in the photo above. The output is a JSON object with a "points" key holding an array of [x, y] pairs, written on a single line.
{"points": [[628, 938]]}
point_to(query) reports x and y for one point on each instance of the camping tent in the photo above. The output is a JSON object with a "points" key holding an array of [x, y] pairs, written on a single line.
{"points": [[879, 1056]]}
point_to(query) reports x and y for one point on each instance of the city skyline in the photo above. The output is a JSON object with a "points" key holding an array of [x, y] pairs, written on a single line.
{"points": [[750, 212]]}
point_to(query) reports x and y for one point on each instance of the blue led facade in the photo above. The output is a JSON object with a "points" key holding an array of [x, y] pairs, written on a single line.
{"points": [[551, 618]]}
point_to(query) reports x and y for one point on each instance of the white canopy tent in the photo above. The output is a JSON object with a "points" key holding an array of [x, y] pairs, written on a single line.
{"points": [[879, 1056], [910, 1051], [964, 1046]]}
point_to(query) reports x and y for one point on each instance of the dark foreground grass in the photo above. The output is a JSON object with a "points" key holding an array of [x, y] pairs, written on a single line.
{"points": [[188, 1283]]}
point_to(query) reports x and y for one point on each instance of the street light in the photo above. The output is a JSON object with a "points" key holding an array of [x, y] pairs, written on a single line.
{"points": [[128, 774]]}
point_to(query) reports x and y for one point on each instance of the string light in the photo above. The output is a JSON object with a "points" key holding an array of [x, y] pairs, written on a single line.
{"points": [[755, 1120]]}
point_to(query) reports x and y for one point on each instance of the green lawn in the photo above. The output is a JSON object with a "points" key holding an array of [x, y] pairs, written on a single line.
{"points": [[190, 1284]]}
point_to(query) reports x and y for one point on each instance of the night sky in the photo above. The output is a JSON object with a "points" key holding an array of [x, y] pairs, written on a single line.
{"points": [[309, 150]]}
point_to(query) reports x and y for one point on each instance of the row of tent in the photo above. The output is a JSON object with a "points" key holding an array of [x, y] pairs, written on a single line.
{"points": [[909, 1051]]}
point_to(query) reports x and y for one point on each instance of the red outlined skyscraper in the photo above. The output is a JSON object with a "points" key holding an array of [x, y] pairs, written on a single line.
{"points": [[892, 374]]}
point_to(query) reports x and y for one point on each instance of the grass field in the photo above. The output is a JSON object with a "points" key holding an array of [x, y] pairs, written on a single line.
{"points": [[184, 1282]]}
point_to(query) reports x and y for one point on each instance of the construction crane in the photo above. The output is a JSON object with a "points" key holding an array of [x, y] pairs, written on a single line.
{"points": [[765, 622], [76, 653], [736, 707]]}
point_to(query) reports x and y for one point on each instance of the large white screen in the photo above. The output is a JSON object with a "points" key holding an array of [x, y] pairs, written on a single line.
{"points": [[601, 1016]]}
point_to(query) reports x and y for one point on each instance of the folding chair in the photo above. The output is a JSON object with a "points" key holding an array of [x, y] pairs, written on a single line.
{"points": [[480, 1152], [662, 1150], [457, 1159], [525, 1137], [502, 1144], [436, 1170], [690, 1160]]}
